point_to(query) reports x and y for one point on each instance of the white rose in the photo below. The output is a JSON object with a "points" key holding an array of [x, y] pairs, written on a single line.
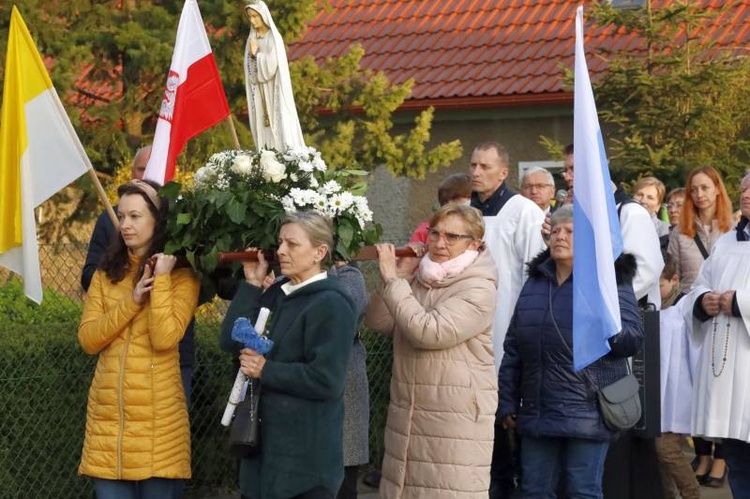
{"points": [[273, 171], [242, 164]]}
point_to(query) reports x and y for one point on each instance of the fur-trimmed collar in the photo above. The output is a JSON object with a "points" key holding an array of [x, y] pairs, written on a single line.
{"points": [[543, 266]]}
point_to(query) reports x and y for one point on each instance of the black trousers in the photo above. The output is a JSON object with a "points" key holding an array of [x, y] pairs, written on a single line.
{"points": [[631, 470], [505, 463], [348, 488], [707, 448]]}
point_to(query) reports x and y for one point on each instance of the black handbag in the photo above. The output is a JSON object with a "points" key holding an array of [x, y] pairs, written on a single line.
{"points": [[244, 436]]}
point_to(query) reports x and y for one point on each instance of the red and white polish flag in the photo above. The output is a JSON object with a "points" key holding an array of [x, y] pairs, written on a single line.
{"points": [[194, 98]]}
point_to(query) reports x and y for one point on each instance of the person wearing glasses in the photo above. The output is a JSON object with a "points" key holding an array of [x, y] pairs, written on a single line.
{"points": [[675, 200], [538, 185], [440, 429]]}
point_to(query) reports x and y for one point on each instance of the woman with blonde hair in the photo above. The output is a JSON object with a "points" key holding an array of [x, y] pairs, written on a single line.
{"points": [[649, 192], [441, 418], [303, 376], [706, 215]]}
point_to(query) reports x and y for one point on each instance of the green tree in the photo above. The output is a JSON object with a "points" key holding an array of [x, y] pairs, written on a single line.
{"points": [[123, 49], [677, 101]]}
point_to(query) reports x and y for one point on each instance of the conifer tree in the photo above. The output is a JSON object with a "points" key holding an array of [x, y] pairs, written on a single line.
{"points": [[678, 100]]}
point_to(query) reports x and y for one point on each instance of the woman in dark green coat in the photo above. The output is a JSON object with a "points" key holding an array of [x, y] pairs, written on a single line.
{"points": [[303, 377]]}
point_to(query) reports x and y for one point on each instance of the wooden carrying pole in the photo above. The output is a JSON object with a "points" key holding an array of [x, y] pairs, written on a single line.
{"points": [[103, 197], [366, 253]]}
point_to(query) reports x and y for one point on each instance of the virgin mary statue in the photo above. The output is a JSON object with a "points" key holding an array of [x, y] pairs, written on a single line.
{"points": [[270, 101]]}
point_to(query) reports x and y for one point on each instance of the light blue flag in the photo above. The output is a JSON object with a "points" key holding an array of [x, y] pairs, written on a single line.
{"points": [[597, 240]]}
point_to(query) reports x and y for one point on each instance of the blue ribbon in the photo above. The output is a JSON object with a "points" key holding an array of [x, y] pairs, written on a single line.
{"points": [[244, 332]]}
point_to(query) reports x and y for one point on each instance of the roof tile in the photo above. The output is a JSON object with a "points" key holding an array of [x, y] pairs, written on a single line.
{"points": [[472, 48]]}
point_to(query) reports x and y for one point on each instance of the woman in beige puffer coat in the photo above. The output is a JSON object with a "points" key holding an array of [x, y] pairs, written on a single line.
{"points": [[440, 429]]}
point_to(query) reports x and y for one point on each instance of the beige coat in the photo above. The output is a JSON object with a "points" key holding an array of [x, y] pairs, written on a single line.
{"points": [[440, 429], [685, 252]]}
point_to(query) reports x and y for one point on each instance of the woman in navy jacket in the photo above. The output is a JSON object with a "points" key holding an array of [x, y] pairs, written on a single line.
{"points": [[555, 408]]}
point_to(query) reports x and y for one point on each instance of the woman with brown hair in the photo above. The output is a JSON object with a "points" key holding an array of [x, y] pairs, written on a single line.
{"points": [[706, 215], [137, 440]]}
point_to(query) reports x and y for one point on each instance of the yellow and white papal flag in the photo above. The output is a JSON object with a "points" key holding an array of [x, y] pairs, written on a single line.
{"points": [[40, 153]]}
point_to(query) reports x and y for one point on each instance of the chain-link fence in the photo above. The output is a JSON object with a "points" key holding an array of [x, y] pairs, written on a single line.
{"points": [[45, 377]]}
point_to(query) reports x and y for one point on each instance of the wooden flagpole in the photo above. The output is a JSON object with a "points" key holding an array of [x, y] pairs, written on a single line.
{"points": [[103, 196], [233, 131]]}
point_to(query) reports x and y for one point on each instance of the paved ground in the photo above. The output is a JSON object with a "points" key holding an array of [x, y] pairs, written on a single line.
{"points": [[366, 492], [706, 493]]}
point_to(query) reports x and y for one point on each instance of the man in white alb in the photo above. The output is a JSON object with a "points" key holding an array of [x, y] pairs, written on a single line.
{"points": [[513, 236]]}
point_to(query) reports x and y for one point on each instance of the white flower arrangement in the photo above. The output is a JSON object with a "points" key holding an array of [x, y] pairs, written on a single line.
{"points": [[239, 198]]}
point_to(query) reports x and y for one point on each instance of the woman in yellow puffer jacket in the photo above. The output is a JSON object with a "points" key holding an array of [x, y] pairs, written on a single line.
{"points": [[137, 442]]}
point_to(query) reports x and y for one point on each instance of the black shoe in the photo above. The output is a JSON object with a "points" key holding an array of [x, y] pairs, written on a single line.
{"points": [[372, 479], [714, 482]]}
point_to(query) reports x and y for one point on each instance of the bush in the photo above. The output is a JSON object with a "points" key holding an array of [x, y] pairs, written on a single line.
{"points": [[56, 308], [44, 382], [44, 379]]}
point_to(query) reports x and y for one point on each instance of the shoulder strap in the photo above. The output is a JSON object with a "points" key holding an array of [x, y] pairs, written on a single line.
{"points": [[700, 245], [585, 373]]}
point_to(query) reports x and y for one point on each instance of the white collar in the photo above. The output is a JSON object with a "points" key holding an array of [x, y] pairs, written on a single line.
{"points": [[289, 288]]}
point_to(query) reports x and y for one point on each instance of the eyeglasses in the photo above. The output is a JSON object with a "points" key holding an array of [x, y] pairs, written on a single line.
{"points": [[674, 205], [450, 238], [537, 187]]}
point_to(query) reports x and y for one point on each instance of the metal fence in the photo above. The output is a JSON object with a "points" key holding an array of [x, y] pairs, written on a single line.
{"points": [[45, 376]]}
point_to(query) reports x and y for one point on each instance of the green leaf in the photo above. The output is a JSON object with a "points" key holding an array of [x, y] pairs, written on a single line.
{"points": [[183, 218], [345, 231], [210, 260], [171, 247], [171, 190], [236, 211]]}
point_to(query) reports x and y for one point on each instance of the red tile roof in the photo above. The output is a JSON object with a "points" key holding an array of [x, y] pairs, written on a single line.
{"points": [[479, 53]]}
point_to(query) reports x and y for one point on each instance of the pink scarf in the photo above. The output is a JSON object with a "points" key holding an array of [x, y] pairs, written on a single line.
{"points": [[434, 273]]}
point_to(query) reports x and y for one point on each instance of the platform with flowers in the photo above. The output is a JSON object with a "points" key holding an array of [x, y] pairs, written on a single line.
{"points": [[239, 199]]}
